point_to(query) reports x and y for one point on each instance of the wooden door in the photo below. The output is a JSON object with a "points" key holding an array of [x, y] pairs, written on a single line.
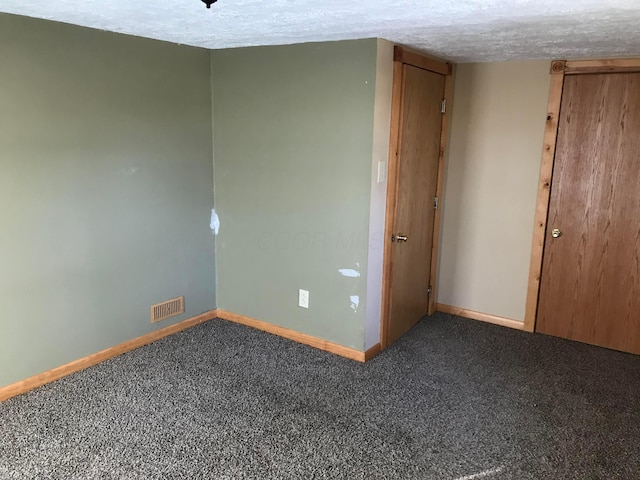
{"points": [[417, 176], [590, 283]]}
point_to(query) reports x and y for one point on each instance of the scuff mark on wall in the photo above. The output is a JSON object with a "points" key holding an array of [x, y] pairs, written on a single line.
{"points": [[349, 272], [352, 273], [215, 222], [355, 302], [126, 171]]}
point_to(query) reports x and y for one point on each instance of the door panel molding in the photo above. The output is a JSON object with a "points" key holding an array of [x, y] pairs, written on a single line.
{"points": [[559, 69]]}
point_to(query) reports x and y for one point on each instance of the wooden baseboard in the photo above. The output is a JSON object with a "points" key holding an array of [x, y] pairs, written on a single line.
{"points": [[57, 373], [372, 352], [483, 317], [301, 337], [52, 375]]}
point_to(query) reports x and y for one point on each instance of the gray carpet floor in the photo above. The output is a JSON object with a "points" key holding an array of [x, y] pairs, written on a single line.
{"points": [[454, 399]]}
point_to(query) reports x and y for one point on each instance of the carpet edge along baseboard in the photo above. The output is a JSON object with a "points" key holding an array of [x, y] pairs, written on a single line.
{"points": [[483, 317], [23, 386], [40, 379]]}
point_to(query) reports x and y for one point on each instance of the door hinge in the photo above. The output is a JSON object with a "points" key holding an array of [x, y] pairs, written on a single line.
{"points": [[429, 290], [436, 202], [444, 106]]}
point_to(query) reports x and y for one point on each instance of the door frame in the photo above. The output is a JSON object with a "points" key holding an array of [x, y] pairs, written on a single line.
{"points": [[559, 69], [403, 56]]}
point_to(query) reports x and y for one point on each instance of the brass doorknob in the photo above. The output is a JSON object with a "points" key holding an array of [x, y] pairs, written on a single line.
{"points": [[399, 238], [555, 233]]}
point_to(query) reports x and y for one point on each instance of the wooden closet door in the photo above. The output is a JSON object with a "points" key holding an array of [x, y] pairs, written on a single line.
{"points": [[590, 283], [417, 177]]}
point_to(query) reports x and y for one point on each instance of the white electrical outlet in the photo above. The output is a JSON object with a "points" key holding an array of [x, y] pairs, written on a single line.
{"points": [[303, 298]]}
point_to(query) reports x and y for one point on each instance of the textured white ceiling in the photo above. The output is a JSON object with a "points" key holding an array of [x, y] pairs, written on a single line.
{"points": [[458, 30]]}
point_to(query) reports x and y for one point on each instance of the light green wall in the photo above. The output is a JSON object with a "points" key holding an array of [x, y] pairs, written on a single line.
{"points": [[293, 139], [106, 182], [105, 189]]}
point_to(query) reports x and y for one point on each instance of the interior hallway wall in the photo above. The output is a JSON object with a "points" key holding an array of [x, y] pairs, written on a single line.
{"points": [[498, 120]]}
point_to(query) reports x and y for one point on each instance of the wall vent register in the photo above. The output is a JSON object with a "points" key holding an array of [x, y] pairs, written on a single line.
{"points": [[170, 308]]}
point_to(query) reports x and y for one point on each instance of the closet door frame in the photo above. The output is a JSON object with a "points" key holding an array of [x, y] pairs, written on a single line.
{"points": [[403, 56], [559, 69]]}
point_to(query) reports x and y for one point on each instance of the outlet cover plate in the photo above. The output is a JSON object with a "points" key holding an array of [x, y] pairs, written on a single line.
{"points": [[303, 298]]}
